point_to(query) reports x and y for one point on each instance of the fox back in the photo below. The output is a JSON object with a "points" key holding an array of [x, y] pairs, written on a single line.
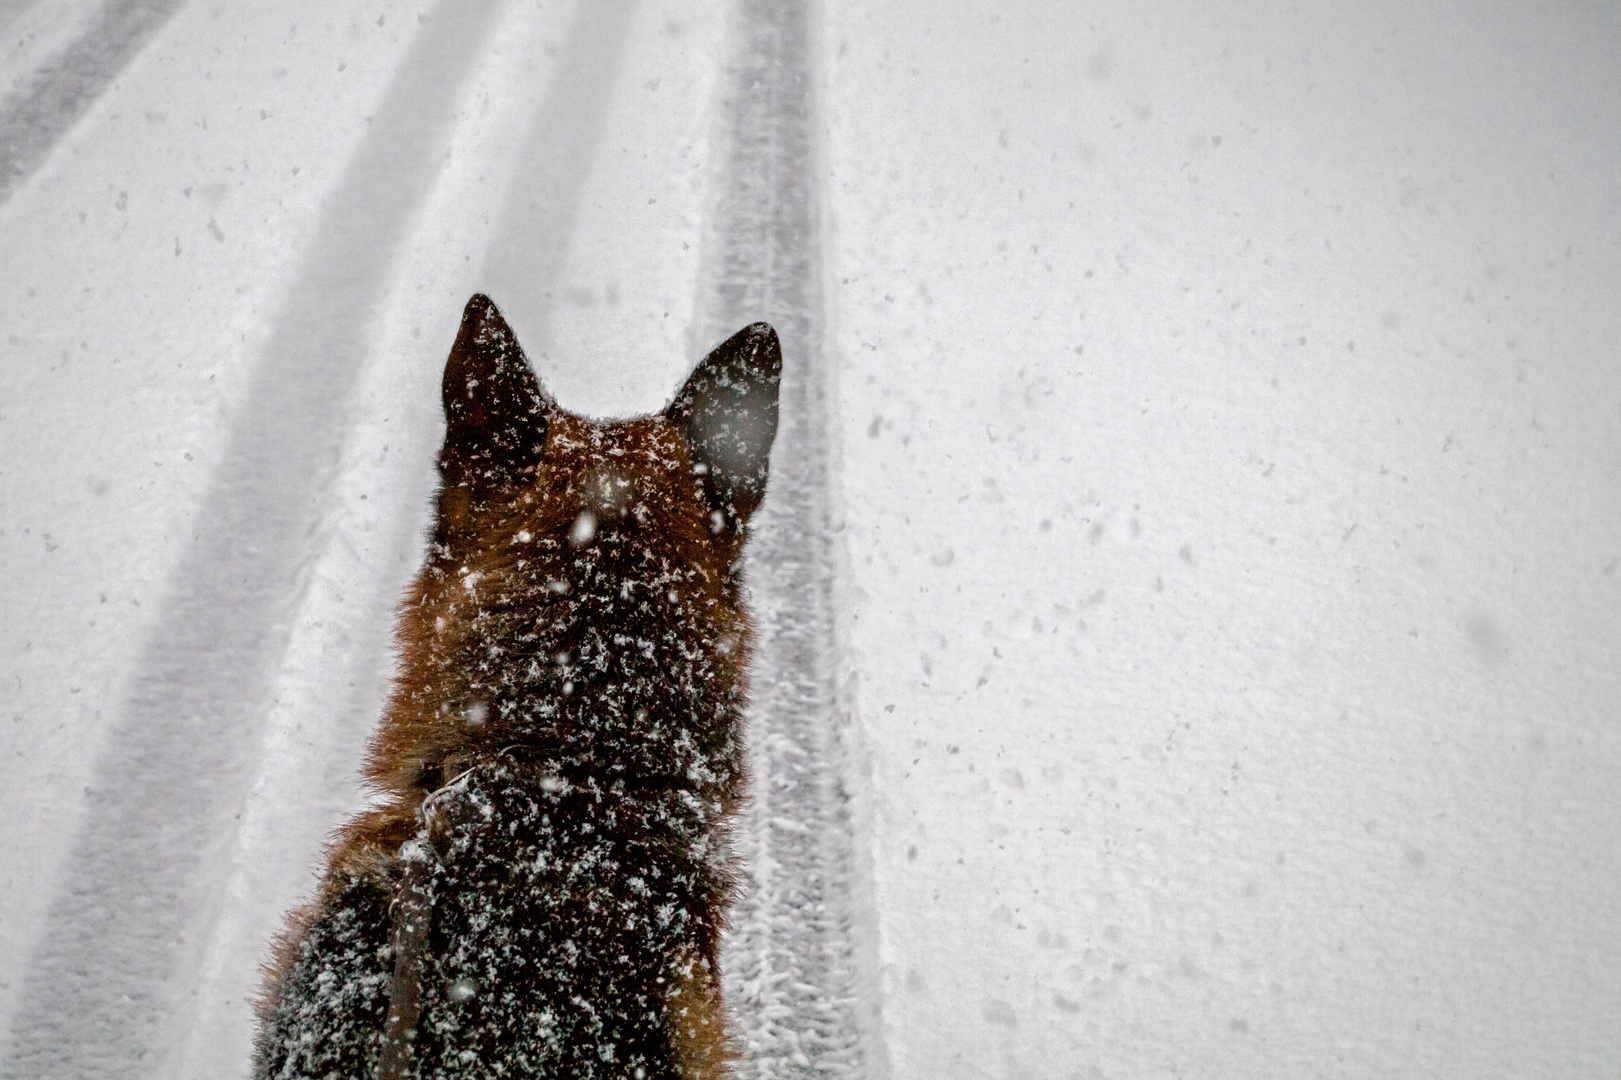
{"points": [[542, 889]]}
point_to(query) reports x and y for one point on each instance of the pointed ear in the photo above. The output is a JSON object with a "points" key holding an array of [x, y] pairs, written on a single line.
{"points": [[728, 409], [495, 409]]}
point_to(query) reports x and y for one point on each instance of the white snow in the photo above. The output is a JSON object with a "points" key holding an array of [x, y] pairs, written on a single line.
{"points": [[130, 332], [1229, 415], [1226, 426], [583, 529]]}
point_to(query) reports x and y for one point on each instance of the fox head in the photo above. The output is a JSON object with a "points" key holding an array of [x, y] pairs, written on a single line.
{"points": [[581, 599]]}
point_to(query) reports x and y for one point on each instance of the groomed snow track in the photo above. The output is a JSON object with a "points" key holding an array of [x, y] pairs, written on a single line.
{"points": [[792, 973], [109, 990], [137, 898], [59, 90]]}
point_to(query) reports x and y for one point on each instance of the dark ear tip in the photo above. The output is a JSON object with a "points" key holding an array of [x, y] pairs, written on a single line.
{"points": [[761, 334], [478, 308]]}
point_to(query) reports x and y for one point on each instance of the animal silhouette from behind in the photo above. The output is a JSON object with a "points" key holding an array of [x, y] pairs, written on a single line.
{"points": [[541, 890]]}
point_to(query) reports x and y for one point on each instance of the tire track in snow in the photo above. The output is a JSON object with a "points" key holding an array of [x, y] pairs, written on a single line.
{"points": [[133, 907], [539, 71], [792, 968], [523, 269], [61, 91]]}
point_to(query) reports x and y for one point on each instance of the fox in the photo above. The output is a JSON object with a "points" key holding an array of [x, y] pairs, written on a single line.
{"points": [[540, 886]]}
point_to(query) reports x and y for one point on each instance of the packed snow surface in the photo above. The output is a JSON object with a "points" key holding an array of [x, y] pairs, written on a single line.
{"points": [[1189, 597]]}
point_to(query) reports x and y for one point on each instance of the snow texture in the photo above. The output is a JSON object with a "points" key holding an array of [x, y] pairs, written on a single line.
{"points": [[1230, 418], [791, 965], [1187, 594]]}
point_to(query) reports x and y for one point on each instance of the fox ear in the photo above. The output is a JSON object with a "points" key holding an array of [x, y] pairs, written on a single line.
{"points": [[495, 409], [728, 409]]}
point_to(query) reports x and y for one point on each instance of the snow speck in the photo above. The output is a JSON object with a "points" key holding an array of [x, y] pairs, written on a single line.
{"points": [[585, 527]]}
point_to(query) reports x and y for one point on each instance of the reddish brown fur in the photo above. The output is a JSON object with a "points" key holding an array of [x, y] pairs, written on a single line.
{"points": [[416, 745], [699, 1017], [415, 739], [499, 545]]}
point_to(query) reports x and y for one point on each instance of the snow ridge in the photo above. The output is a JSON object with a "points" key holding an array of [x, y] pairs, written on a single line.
{"points": [[139, 891], [790, 961], [63, 86]]}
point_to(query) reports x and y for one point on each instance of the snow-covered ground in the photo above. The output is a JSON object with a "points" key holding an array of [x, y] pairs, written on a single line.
{"points": [[1198, 535], [1231, 418]]}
